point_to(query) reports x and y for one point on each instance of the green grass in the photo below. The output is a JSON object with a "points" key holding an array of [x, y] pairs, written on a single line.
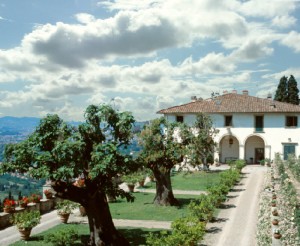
{"points": [[198, 181], [136, 236], [195, 181], [143, 208]]}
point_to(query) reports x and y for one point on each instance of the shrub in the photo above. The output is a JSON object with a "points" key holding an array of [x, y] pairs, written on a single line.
{"points": [[26, 220], [64, 237], [185, 232], [203, 208], [65, 207]]}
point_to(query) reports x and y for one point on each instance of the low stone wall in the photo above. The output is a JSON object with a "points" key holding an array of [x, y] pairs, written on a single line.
{"points": [[44, 206]]}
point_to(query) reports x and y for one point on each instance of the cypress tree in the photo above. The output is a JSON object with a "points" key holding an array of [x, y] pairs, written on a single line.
{"points": [[281, 94], [292, 91]]}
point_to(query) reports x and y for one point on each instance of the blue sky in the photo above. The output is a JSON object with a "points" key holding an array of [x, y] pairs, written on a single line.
{"points": [[141, 56]]}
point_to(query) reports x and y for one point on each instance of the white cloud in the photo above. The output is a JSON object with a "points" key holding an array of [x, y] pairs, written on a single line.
{"points": [[284, 21], [292, 40]]}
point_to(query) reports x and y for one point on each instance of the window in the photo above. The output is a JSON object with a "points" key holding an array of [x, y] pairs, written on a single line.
{"points": [[288, 149], [179, 118], [259, 123], [228, 120], [291, 121]]}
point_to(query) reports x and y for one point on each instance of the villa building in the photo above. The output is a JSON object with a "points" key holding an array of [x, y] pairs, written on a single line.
{"points": [[250, 128]]}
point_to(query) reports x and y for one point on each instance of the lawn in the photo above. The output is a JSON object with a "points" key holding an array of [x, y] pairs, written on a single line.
{"points": [[198, 180], [143, 208], [136, 236], [195, 180]]}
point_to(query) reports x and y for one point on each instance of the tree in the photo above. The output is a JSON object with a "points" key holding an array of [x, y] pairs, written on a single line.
{"points": [[202, 144], [163, 146], [281, 93], [292, 91], [91, 151]]}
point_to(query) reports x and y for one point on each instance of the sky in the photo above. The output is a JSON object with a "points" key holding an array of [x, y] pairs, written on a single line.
{"points": [[141, 55]]}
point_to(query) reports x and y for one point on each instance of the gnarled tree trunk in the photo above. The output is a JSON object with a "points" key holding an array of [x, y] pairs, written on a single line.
{"points": [[164, 194], [102, 229]]}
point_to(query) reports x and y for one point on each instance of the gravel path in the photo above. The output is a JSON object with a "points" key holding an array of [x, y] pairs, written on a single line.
{"points": [[236, 222]]}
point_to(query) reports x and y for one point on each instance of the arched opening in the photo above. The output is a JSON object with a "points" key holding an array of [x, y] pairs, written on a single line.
{"points": [[254, 150], [229, 149]]}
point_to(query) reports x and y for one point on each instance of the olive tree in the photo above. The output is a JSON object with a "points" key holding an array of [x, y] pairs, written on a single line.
{"points": [[91, 151], [163, 146], [202, 144]]}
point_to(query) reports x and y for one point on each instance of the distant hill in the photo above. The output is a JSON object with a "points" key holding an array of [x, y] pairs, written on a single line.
{"points": [[17, 126]]}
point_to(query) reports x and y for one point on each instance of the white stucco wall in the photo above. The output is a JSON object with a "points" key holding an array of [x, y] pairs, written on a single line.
{"points": [[274, 134]]}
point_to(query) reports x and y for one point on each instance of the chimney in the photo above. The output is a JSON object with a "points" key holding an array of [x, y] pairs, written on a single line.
{"points": [[269, 96], [245, 92], [225, 92], [234, 91]]}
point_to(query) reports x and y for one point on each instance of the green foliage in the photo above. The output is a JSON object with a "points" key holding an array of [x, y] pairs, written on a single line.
{"points": [[27, 219], [66, 206], [133, 178], [292, 91], [287, 90], [163, 144], [281, 92], [61, 152], [185, 232], [202, 145], [203, 208], [64, 237]]}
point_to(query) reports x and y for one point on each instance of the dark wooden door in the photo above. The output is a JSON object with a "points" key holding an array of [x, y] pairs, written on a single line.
{"points": [[259, 154]]}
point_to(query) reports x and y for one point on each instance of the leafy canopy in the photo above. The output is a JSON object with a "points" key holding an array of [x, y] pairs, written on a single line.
{"points": [[61, 152]]}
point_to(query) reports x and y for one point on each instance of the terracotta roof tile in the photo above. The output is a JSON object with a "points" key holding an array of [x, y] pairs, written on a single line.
{"points": [[233, 103]]}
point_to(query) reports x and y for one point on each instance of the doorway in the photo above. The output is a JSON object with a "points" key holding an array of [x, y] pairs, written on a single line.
{"points": [[259, 154]]}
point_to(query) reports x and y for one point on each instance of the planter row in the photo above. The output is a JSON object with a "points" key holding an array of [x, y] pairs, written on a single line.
{"points": [[44, 206]]}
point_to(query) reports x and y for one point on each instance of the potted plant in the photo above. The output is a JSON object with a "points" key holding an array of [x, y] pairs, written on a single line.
{"points": [[273, 203], [35, 198], [64, 209], [277, 234], [23, 202], [275, 212], [48, 193], [25, 221], [9, 206], [275, 221], [274, 196], [131, 179]]}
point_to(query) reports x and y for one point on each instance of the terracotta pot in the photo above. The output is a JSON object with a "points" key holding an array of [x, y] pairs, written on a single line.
{"points": [[275, 222], [274, 196], [48, 195], [64, 218], [273, 204], [82, 211], [8, 210], [25, 233], [23, 205], [141, 183], [277, 235], [275, 213], [130, 187]]}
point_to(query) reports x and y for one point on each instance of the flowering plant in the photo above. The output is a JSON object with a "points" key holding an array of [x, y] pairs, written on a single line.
{"points": [[35, 198], [276, 231], [24, 201], [9, 203], [79, 182]]}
